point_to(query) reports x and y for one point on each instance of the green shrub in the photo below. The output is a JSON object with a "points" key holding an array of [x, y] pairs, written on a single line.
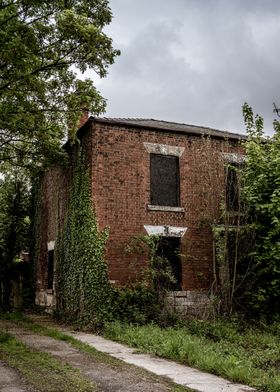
{"points": [[138, 304], [261, 192]]}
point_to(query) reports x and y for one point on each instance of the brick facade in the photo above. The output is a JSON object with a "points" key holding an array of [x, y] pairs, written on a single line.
{"points": [[118, 154], [52, 208]]}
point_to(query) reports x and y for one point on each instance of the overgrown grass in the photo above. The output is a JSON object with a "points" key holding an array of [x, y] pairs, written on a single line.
{"points": [[41, 370], [240, 353], [23, 321]]}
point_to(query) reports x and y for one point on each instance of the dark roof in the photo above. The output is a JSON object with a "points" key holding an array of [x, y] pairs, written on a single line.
{"points": [[168, 127]]}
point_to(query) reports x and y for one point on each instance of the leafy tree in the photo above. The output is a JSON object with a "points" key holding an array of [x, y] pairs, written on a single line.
{"points": [[14, 228], [42, 46], [262, 195]]}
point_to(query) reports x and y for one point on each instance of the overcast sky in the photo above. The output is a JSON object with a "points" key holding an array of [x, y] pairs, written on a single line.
{"points": [[194, 61]]}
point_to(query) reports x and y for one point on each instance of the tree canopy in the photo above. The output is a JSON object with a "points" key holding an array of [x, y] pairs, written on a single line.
{"points": [[43, 44]]}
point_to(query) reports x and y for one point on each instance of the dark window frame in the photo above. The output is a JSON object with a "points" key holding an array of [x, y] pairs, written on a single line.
{"points": [[50, 269], [169, 248], [164, 187], [232, 187]]}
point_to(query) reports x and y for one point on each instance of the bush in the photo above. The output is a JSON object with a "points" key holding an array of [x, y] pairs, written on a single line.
{"points": [[138, 304]]}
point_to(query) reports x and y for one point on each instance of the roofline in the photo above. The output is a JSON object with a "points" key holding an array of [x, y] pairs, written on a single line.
{"points": [[197, 130]]}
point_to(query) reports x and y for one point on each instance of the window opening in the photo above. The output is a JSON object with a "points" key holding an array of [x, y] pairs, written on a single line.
{"points": [[232, 187]]}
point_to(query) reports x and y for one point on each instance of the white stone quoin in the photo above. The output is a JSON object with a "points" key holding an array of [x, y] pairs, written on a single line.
{"points": [[50, 245]]}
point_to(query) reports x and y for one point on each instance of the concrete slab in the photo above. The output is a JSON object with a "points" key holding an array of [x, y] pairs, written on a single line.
{"points": [[180, 374]]}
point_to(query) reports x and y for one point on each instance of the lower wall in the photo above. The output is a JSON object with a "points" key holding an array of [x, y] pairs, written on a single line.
{"points": [[46, 300], [185, 303], [192, 303]]}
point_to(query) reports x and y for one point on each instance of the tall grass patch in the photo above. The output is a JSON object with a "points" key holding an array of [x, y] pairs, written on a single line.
{"points": [[240, 353]]}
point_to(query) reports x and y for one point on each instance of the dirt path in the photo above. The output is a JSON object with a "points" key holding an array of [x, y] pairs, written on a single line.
{"points": [[10, 380], [109, 377]]}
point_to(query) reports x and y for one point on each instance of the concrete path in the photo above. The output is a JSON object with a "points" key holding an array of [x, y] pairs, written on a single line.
{"points": [[180, 374]]}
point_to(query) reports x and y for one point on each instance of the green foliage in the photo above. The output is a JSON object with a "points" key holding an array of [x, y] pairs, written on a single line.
{"points": [[42, 46], [158, 274], [143, 302], [233, 266], [84, 295], [262, 194], [14, 230], [138, 304], [234, 350]]}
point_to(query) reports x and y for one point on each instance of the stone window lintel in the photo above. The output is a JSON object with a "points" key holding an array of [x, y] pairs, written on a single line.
{"points": [[164, 149], [166, 231]]}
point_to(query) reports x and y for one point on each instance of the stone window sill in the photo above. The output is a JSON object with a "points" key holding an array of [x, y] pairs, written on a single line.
{"points": [[165, 208]]}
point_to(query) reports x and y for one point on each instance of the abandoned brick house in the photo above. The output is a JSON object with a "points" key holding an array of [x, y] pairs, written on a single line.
{"points": [[147, 177]]}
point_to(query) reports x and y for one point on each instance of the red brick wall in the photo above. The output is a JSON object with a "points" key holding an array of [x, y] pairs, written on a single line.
{"points": [[120, 171], [121, 193]]}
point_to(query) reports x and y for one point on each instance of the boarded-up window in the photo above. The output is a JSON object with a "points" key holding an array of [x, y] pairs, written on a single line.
{"points": [[50, 268], [164, 180]]}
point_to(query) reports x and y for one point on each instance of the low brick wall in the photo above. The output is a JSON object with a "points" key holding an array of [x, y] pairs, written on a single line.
{"points": [[193, 303]]}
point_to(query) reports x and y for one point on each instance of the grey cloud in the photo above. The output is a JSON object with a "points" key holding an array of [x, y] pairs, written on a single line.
{"points": [[194, 61]]}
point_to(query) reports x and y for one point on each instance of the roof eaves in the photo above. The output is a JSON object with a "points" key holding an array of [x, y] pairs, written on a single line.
{"points": [[192, 129]]}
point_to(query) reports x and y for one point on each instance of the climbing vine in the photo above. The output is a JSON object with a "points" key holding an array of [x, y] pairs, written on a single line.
{"points": [[143, 301], [83, 290], [158, 274]]}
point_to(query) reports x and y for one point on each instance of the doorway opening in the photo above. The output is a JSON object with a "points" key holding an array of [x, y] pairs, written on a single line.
{"points": [[169, 249]]}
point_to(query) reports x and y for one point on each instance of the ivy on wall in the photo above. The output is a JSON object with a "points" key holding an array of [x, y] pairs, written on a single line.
{"points": [[83, 291]]}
